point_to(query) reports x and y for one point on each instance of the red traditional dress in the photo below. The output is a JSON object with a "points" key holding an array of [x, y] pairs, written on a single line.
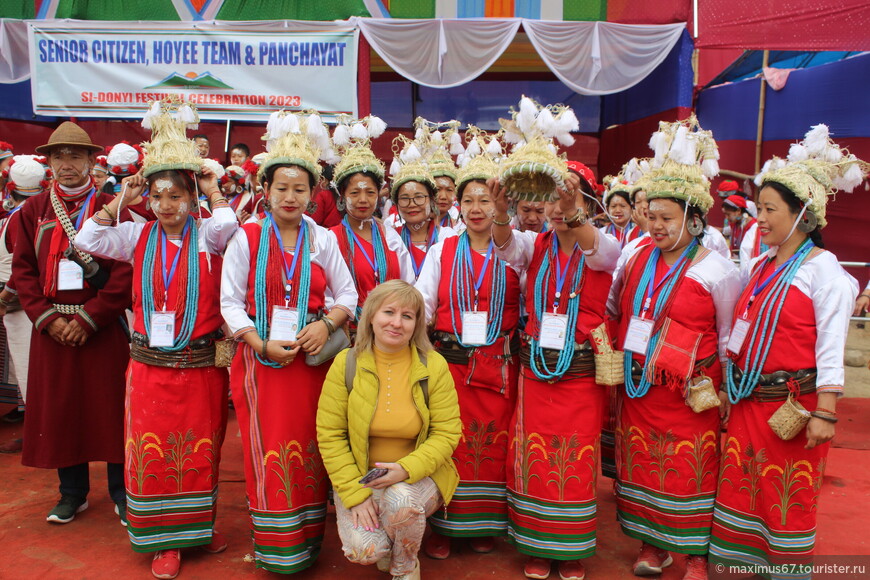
{"points": [[667, 455], [244, 202], [285, 481], [766, 505], [738, 232], [751, 246], [624, 235], [554, 433], [75, 404], [363, 258], [418, 252], [485, 379], [176, 417]]}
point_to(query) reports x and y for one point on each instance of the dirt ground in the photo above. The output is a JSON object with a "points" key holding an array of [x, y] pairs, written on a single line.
{"points": [[858, 378]]}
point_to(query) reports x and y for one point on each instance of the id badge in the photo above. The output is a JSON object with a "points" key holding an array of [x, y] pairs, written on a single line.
{"points": [[474, 327], [738, 335], [638, 335], [162, 332], [69, 275], [285, 323], [554, 331]]}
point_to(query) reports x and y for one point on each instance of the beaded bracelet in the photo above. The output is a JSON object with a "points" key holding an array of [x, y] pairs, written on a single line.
{"points": [[828, 411]]}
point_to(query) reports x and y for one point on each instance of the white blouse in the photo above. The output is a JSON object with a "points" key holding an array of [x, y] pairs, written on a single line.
{"points": [[394, 243], [718, 275], [237, 265], [118, 242], [833, 292]]}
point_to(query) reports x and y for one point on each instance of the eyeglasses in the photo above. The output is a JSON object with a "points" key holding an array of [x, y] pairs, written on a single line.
{"points": [[417, 200]]}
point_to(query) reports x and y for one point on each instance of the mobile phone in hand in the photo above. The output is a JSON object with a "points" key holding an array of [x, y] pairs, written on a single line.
{"points": [[373, 474]]}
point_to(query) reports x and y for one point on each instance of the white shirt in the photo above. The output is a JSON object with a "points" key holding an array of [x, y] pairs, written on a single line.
{"points": [[394, 243], [833, 292], [237, 265], [717, 274], [119, 242]]}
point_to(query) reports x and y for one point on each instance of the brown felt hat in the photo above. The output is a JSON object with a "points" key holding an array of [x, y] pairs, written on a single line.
{"points": [[68, 135]]}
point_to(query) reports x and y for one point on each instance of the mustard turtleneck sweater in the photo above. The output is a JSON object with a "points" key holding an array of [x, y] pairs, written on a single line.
{"points": [[396, 423]]}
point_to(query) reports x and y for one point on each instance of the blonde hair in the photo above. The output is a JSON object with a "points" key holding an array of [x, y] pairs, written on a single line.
{"points": [[406, 296]]}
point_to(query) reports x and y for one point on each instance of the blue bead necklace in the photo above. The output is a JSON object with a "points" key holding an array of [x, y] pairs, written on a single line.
{"points": [[191, 298]]}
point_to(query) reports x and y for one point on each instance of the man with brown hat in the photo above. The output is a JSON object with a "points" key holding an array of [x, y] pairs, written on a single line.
{"points": [[79, 349]]}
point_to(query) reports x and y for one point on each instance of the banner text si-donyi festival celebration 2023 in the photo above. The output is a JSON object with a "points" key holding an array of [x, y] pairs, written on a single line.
{"points": [[86, 71]]}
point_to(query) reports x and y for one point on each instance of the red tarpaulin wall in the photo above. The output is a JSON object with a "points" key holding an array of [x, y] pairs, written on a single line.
{"points": [[784, 24]]}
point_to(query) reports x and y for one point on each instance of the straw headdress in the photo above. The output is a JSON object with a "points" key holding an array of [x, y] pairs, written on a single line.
{"points": [[169, 147], [482, 157], [534, 170], [686, 158], [628, 179], [409, 165], [299, 139], [815, 169], [353, 140]]}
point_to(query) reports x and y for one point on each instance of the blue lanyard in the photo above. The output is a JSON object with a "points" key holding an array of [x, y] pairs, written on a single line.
{"points": [[406, 237], [362, 250], [168, 276], [560, 273], [650, 289], [759, 288], [289, 271], [470, 265], [83, 207]]}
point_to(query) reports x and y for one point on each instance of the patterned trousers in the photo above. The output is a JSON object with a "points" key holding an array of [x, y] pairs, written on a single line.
{"points": [[402, 512]]}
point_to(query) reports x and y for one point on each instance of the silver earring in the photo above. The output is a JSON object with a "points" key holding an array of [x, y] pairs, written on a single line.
{"points": [[311, 207], [267, 205], [339, 205], [808, 223], [695, 227]]}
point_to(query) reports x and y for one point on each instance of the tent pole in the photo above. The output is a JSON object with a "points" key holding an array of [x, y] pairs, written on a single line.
{"points": [[761, 99]]}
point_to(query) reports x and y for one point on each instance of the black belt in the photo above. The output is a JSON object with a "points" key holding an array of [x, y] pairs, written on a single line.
{"points": [[199, 352], [448, 346], [775, 386], [582, 361]]}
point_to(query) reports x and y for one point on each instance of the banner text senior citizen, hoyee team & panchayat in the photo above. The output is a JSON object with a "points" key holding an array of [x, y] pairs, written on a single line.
{"points": [[292, 53]]}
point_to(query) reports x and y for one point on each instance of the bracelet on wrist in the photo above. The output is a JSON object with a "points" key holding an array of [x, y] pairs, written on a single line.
{"points": [[330, 324], [577, 220], [263, 350], [824, 417], [506, 222], [111, 215], [828, 411]]}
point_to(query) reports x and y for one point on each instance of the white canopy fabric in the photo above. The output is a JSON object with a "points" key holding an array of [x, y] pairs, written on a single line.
{"points": [[439, 53], [592, 58], [600, 58], [14, 60]]}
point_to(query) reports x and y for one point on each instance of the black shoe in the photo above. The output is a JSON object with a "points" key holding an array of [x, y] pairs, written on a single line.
{"points": [[13, 416], [66, 509], [121, 510]]}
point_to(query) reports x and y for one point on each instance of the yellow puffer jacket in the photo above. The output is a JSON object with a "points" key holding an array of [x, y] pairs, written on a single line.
{"points": [[343, 423]]}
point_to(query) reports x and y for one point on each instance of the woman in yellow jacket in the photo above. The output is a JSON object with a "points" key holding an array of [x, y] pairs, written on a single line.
{"points": [[387, 439]]}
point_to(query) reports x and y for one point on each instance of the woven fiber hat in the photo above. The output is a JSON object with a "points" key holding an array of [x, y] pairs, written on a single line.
{"points": [[816, 169], [68, 135], [534, 170], [481, 158], [169, 148]]}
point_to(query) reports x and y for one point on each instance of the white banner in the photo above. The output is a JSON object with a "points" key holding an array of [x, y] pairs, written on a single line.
{"points": [[84, 69]]}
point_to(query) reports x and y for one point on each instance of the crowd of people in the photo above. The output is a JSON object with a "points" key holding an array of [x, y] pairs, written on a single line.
{"points": [[465, 344]]}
